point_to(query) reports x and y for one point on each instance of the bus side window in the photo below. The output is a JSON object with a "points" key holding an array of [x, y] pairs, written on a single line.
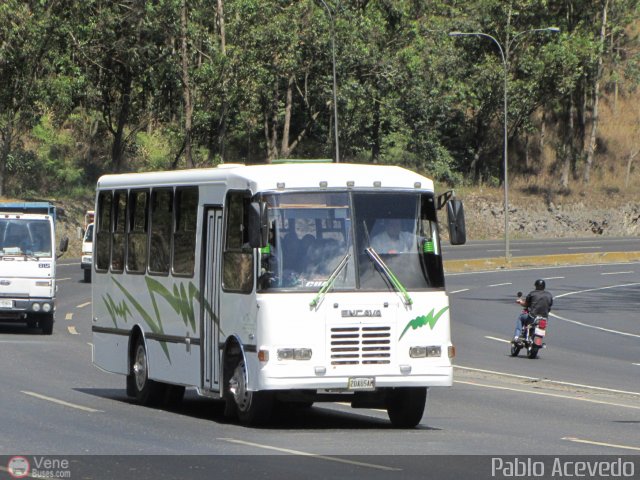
{"points": [[137, 234], [160, 244], [118, 234], [237, 269], [103, 234], [184, 236]]}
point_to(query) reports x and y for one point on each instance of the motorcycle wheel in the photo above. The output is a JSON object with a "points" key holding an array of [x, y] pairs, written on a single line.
{"points": [[532, 352], [515, 349]]}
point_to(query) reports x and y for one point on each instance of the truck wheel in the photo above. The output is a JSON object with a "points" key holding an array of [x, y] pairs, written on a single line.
{"points": [[46, 324], [87, 275], [405, 406], [146, 391], [253, 408]]}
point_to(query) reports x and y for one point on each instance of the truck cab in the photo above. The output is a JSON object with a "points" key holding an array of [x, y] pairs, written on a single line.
{"points": [[87, 253]]}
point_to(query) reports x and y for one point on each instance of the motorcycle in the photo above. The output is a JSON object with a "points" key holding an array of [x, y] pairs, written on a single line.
{"points": [[532, 336]]}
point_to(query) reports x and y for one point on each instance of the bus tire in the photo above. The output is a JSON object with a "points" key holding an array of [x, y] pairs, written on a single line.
{"points": [[253, 408], [46, 324], [405, 406], [146, 391]]}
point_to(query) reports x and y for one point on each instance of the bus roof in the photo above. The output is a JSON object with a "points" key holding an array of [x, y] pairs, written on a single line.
{"points": [[278, 177]]}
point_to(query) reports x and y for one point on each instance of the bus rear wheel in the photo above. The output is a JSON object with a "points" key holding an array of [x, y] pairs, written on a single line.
{"points": [[405, 406], [146, 391], [253, 408]]}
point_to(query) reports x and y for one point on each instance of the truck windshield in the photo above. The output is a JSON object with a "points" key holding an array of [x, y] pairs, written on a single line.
{"points": [[25, 237], [311, 234]]}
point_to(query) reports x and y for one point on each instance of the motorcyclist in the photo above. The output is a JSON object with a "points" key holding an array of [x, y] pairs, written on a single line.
{"points": [[537, 304]]}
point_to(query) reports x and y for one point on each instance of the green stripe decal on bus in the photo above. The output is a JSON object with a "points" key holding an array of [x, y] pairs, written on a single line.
{"points": [[423, 320], [180, 300]]}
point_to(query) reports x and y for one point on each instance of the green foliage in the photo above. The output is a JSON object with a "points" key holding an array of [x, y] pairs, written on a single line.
{"points": [[93, 86]]}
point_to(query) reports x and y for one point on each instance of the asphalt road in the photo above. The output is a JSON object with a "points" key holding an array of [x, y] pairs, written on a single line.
{"points": [[581, 397]]}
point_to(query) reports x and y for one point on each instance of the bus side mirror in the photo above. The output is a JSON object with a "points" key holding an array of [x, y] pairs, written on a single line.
{"points": [[455, 216], [258, 225]]}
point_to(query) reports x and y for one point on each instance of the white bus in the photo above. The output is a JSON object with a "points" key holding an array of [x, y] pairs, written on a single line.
{"points": [[263, 284]]}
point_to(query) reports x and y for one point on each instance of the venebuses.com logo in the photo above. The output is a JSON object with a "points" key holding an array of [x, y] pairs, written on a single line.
{"points": [[38, 467], [18, 467]]}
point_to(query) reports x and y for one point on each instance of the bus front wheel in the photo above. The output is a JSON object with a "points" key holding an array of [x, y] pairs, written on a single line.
{"points": [[405, 406], [253, 408]]}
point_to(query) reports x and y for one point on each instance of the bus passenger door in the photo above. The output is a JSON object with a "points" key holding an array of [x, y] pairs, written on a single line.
{"points": [[211, 331]]}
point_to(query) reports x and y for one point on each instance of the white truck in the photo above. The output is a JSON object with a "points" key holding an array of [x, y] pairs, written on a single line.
{"points": [[28, 264], [87, 253]]}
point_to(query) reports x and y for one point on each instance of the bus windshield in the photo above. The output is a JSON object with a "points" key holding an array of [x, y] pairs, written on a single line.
{"points": [[25, 237], [367, 238]]}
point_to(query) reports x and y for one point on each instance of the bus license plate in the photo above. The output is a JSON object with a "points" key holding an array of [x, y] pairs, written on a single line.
{"points": [[362, 383], [6, 303]]}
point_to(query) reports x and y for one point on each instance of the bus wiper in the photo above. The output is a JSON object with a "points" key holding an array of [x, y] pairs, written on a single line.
{"points": [[330, 281], [397, 284]]}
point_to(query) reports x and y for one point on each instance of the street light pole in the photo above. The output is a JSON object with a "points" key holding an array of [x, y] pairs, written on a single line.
{"points": [[335, 88], [505, 64]]}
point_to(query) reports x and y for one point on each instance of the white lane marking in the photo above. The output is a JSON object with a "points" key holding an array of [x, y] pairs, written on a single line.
{"points": [[82, 305], [502, 250], [638, 364], [585, 248], [596, 289], [61, 279], [497, 339], [68, 316], [308, 454], [554, 278], [61, 402], [500, 284], [602, 329], [546, 394], [600, 444], [616, 273], [72, 330], [545, 380], [459, 291]]}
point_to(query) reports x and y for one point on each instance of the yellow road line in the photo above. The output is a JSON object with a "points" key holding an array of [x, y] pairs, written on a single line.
{"points": [[600, 444], [307, 454], [68, 316], [72, 330], [82, 305], [60, 402]]}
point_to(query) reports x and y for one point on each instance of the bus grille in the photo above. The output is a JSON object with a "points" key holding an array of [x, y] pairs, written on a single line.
{"points": [[361, 345]]}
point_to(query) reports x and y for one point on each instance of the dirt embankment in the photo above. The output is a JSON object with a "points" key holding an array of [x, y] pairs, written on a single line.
{"points": [[532, 218]]}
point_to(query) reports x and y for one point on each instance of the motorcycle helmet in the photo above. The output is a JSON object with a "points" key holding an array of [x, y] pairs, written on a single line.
{"points": [[539, 284]]}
